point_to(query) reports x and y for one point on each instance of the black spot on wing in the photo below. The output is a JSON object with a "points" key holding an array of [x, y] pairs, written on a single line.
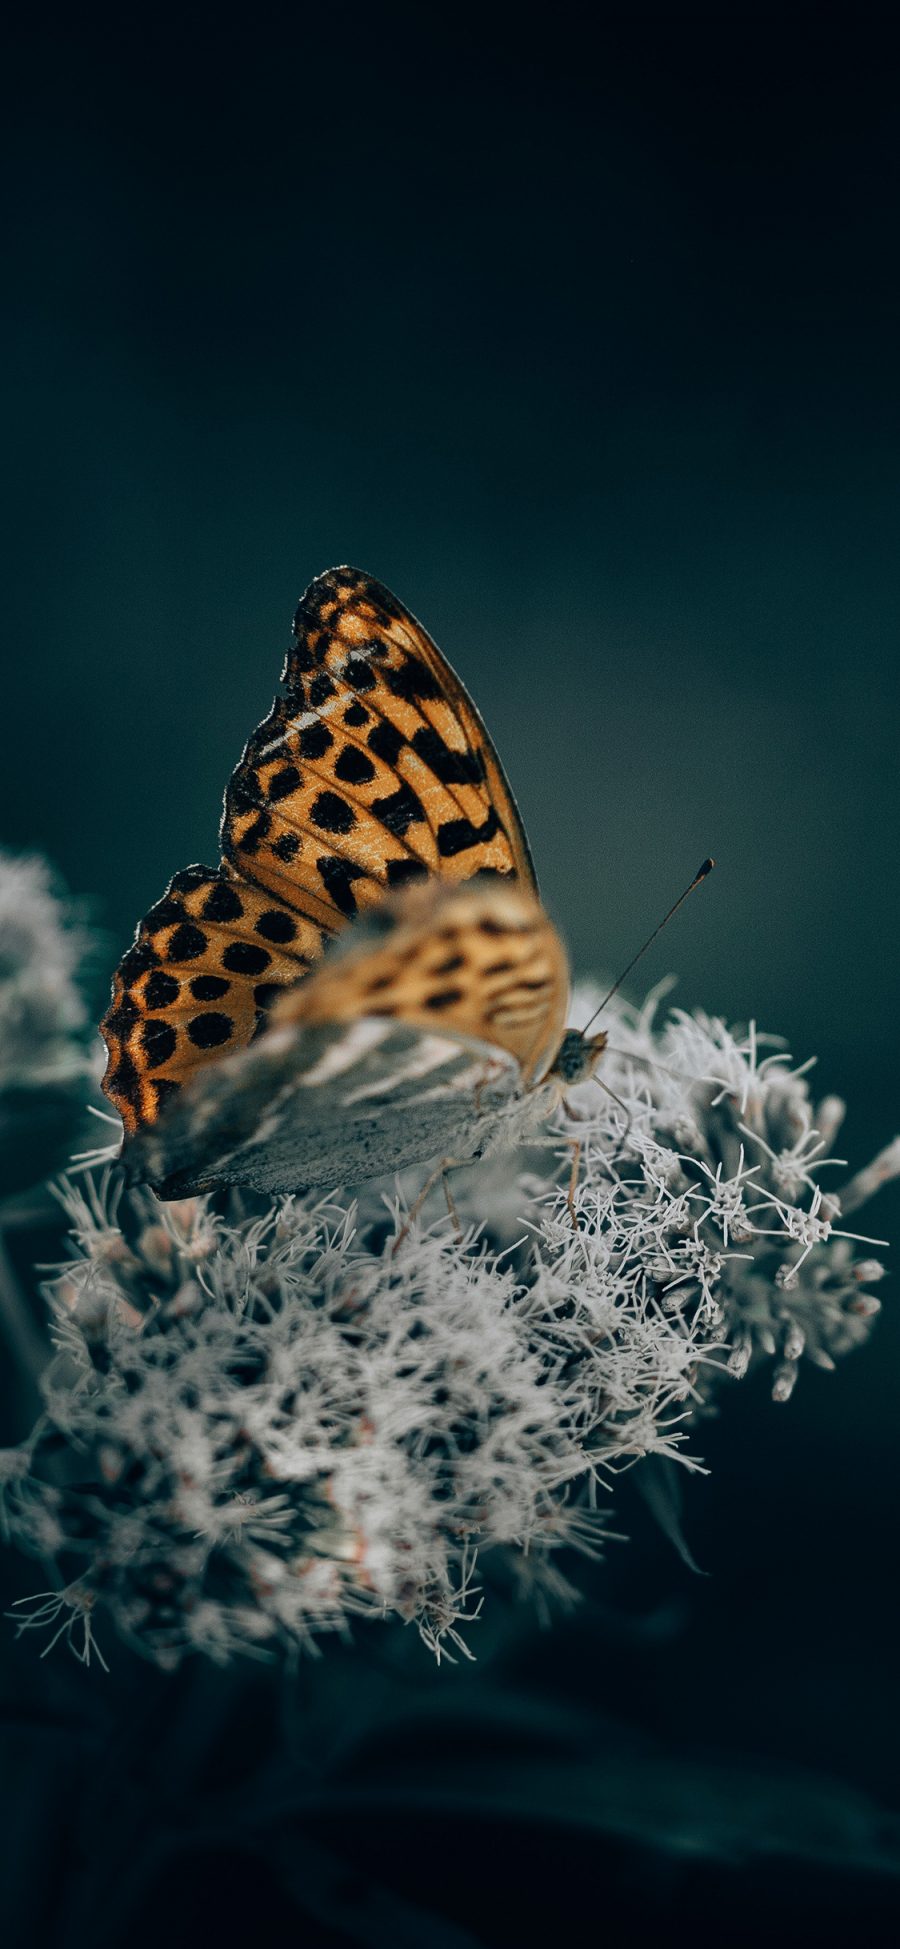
{"points": [[457, 835], [282, 783], [265, 993], [190, 878], [286, 847], [399, 810], [353, 767], [137, 961], [320, 690], [244, 792], [314, 740], [126, 1079], [337, 876], [164, 914], [358, 674], [222, 903], [159, 1040], [331, 813], [401, 870], [122, 1018], [386, 741], [451, 767], [243, 957], [412, 680], [276, 925], [187, 943], [211, 1030], [497, 927], [300, 660], [162, 989], [255, 834], [209, 988]]}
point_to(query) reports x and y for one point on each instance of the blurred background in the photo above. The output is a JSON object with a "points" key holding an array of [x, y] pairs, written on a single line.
{"points": [[586, 344]]}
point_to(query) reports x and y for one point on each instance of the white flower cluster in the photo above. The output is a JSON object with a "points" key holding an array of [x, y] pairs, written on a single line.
{"points": [[45, 1063], [261, 1423], [42, 1014], [716, 1149]]}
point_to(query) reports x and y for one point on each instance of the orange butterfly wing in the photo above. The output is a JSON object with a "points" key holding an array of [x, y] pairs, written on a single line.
{"points": [[481, 961], [206, 964], [372, 768]]}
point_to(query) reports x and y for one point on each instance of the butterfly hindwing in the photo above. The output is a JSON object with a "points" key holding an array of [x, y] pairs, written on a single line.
{"points": [[207, 961]]}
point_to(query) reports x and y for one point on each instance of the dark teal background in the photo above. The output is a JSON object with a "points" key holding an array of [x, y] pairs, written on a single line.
{"points": [[588, 348]]}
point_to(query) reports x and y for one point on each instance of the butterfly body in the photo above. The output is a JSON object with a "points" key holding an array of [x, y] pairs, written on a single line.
{"points": [[369, 816]]}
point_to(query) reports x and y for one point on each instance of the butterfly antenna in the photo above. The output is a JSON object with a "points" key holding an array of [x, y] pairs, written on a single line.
{"points": [[701, 874]]}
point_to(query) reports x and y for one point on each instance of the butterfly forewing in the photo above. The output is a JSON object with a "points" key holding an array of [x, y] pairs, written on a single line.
{"points": [[374, 768]]}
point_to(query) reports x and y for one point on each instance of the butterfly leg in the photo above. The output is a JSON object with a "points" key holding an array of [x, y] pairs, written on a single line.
{"points": [[446, 1164], [575, 1147], [451, 1205]]}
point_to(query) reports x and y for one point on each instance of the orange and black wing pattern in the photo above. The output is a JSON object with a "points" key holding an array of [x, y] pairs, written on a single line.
{"points": [[373, 768], [481, 961], [207, 962]]}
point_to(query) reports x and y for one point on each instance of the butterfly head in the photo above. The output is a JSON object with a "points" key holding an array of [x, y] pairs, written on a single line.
{"points": [[578, 1056]]}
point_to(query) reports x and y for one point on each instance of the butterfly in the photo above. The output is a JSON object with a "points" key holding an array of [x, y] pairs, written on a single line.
{"points": [[368, 979]]}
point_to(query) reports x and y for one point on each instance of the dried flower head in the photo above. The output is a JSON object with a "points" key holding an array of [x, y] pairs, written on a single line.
{"points": [[262, 1422], [44, 1053], [42, 1013]]}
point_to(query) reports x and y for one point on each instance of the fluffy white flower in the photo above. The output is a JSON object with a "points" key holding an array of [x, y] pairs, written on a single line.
{"points": [[45, 1059], [263, 1421], [42, 1014]]}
